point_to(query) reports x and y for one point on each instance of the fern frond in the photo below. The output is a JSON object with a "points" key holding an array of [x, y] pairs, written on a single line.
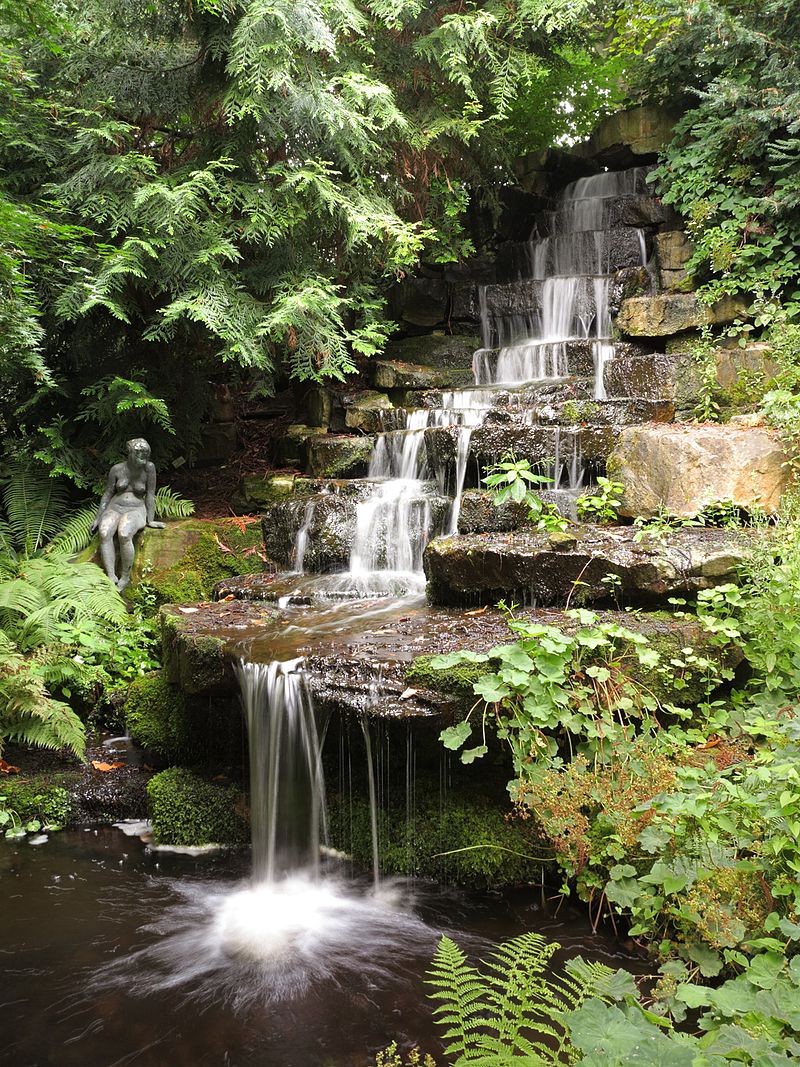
{"points": [[513, 1009], [34, 505], [53, 725], [458, 985], [171, 505], [75, 534]]}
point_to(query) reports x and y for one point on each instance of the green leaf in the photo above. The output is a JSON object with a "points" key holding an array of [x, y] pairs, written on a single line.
{"points": [[453, 737]]}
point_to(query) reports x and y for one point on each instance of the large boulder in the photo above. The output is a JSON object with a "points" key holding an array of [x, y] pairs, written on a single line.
{"points": [[630, 137], [668, 313], [574, 566], [684, 467]]}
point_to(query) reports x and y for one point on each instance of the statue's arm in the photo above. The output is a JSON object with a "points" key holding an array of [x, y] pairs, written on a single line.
{"points": [[150, 499], [111, 485]]}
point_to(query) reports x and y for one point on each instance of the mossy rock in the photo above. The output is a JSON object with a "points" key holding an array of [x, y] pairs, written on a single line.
{"points": [[339, 456], [184, 562], [156, 717], [45, 797], [455, 681], [258, 490], [197, 663], [498, 850], [188, 810]]}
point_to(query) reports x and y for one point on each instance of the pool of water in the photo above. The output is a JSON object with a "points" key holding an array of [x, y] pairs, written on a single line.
{"points": [[114, 954]]}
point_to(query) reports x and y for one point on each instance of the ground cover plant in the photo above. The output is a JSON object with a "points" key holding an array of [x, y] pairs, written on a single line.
{"points": [[681, 821]]}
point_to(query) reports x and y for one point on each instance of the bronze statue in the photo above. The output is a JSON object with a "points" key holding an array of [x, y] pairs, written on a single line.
{"points": [[127, 506]]}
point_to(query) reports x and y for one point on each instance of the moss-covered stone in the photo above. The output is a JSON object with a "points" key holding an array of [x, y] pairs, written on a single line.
{"points": [[183, 562], [187, 810], [45, 797], [258, 490], [156, 717], [497, 849], [455, 681], [195, 662], [339, 456]]}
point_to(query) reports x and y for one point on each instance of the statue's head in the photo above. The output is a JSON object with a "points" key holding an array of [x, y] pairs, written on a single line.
{"points": [[138, 450]]}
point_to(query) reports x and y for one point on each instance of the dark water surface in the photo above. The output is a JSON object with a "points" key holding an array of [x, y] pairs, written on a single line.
{"points": [[112, 954]]}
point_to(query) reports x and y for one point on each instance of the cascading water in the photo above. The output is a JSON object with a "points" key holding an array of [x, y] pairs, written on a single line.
{"points": [[565, 281], [287, 792]]}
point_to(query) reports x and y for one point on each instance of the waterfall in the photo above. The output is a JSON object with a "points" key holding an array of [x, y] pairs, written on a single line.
{"points": [[531, 329], [287, 791], [301, 540]]}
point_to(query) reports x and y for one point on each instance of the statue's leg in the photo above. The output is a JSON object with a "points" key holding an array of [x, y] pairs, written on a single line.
{"points": [[107, 529], [130, 524]]}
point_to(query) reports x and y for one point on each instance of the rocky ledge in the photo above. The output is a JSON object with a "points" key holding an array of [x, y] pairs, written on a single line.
{"points": [[379, 661], [584, 565]]}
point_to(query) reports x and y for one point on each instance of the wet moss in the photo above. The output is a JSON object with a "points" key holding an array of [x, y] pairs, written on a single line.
{"points": [[194, 662], [456, 681], [156, 717], [45, 797], [466, 839], [184, 563], [187, 810]]}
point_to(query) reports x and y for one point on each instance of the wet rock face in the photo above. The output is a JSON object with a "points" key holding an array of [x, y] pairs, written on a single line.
{"points": [[479, 515], [552, 568], [435, 350], [670, 313], [683, 468], [337, 456], [331, 524]]}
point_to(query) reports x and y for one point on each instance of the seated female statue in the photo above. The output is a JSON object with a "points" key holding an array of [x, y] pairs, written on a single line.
{"points": [[127, 506]]}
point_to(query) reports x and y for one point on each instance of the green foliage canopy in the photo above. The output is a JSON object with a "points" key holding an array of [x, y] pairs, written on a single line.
{"points": [[239, 181]]}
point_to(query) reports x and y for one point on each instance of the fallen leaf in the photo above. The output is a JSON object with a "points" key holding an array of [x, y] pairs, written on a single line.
{"points": [[242, 521], [100, 766], [230, 596], [477, 611], [408, 693], [8, 768], [188, 611], [711, 743], [222, 546]]}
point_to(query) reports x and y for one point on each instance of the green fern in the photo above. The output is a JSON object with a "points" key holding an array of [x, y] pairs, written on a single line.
{"points": [[514, 1009], [170, 505]]}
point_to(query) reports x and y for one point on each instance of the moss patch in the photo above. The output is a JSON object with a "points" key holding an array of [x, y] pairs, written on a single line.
{"points": [[499, 850], [456, 681], [156, 717], [195, 662], [183, 563], [186, 809], [44, 797]]}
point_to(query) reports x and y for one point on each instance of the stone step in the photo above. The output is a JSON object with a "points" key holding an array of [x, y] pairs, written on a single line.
{"points": [[397, 374], [438, 350], [339, 456], [203, 648], [551, 568], [587, 252]]}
